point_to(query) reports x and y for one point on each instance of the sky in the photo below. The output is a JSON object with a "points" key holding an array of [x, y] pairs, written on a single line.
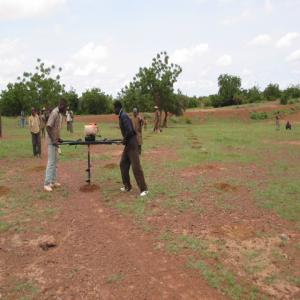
{"points": [[103, 43]]}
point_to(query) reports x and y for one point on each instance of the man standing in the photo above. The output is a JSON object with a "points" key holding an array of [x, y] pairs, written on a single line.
{"points": [[156, 120], [70, 116], [53, 139], [130, 155], [22, 119], [43, 121], [35, 128], [138, 123]]}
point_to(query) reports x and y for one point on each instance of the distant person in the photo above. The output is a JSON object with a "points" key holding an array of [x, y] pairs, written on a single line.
{"points": [[22, 119], [43, 122], [35, 129], [138, 123], [288, 125], [69, 118], [130, 155], [156, 127], [277, 122], [53, 128]]}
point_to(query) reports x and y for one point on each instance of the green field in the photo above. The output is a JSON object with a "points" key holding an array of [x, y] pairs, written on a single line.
{"points": [[232, 186]]}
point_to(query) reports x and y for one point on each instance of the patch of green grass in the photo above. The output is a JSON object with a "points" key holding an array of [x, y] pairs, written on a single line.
{"points": [[26, 290], [114, 278], [136, 208], [270, 279], [220, 279], [4, 226], [283, 197]]}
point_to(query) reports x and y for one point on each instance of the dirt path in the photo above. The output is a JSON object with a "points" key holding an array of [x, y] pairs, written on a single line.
{"points": [[99, 254]]}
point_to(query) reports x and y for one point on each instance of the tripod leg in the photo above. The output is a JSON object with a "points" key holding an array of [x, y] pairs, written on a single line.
{"points": [[89, 166]]}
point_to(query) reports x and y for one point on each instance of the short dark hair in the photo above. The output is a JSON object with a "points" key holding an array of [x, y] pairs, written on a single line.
{"points": [[63, 102], [118, 104]]}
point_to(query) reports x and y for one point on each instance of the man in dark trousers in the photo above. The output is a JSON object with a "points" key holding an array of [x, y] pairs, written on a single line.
{"points": [[130, 154]]}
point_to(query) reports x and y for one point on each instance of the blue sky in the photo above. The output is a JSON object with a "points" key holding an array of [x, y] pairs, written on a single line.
{"points": [[103, 43]]}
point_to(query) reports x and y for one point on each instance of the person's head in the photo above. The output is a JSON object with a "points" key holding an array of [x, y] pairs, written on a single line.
{"points": [[33, 111], [117, 106], [62, 106], [135, 111]]}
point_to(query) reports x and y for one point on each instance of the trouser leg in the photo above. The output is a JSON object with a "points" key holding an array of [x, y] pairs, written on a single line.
{"points": [[33, 139], [38, 141], [134, 158], [71, 127], [124, 167], [50, 175]]}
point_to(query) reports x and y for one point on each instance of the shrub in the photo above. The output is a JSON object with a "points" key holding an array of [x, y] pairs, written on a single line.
{"points": [[259, 115]]}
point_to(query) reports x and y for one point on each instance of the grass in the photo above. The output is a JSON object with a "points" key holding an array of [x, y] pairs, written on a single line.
{"points": [[25, 290], [231, 143], [114, 278]]}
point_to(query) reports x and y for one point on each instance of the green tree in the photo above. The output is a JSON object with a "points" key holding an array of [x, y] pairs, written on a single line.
{"points": [[292, 92], [73, 100], [157, 82], [272, 92], [229, 86], [253, 95], [94, 101], [41, 88]]}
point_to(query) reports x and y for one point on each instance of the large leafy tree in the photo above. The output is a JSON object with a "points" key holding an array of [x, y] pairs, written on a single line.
{"points": [[155, 85], [229, 87], [41, 88], [94, 101], [272, 91]]}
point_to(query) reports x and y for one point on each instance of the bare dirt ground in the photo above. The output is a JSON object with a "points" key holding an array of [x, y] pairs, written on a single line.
{"points": [[91, 251]]}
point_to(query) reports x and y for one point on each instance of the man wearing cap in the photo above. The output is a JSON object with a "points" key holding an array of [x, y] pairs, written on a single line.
{"points": [[130, 155], [35, 128], [138, 123], [156, 120]]}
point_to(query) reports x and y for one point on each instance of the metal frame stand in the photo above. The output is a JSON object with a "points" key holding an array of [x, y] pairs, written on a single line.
{"points": [[88, 170]]}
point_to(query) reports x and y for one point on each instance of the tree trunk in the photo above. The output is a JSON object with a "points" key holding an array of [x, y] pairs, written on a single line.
{"points": [[165, 123]]}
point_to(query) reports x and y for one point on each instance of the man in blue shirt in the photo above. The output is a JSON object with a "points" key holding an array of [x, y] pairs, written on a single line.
{"points": [[130, 156]]}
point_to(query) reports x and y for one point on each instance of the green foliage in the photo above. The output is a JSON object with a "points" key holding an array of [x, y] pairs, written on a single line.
{"points": [[42, 88], [253, 95], [272, 92], [95, 102], [229, 86], [72, 98], [154, 85], [259, 115]]}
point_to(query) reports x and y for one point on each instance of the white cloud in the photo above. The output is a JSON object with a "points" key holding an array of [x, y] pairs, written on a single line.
{"points": [[261, 40], [294, 56], [88, 60], [286, 40], [268, 6], [244, 16], [184, 55], [11, 59], [224, 61], [19, 9]]}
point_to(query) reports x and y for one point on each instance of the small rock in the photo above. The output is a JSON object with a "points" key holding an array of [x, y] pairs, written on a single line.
{"points": [[47, 242], [284, 237]]}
